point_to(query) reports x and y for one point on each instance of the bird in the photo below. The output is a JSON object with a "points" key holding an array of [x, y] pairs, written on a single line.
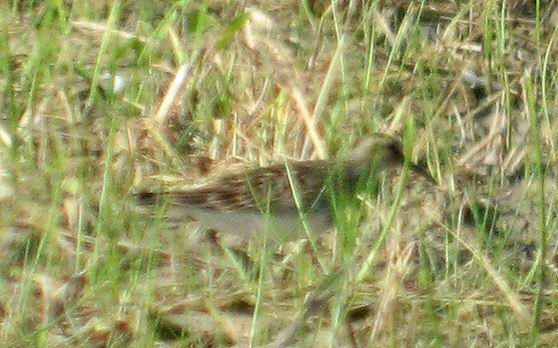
{"points": [[282, 199]]}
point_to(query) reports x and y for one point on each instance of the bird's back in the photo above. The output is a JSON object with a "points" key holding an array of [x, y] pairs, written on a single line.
{"points": [[245, 202]]}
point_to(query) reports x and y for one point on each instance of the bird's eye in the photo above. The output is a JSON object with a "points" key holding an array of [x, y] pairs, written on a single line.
{"points": [[395, 149]]}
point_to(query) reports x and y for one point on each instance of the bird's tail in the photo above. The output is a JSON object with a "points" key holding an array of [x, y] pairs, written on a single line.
{"points": [[146, 198], [173, 209]]}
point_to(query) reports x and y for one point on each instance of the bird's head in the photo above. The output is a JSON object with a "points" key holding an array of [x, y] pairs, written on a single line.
{"points": [[380, 152], [380, 149]]}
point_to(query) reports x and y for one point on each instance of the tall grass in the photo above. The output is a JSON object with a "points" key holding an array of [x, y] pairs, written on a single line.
{"points": [[468, 86]]}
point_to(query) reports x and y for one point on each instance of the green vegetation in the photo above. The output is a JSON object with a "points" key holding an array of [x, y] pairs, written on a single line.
{"points": [[99, 98]]}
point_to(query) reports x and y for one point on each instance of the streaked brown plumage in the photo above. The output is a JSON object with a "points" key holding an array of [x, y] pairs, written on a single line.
{"points": [[277, 196]]}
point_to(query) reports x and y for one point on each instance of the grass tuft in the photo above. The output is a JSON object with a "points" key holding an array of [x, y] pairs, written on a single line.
{"points": [[98, 98]]}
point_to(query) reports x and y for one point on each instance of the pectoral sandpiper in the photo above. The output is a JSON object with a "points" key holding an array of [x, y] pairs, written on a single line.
{"points": [[279, 197]]}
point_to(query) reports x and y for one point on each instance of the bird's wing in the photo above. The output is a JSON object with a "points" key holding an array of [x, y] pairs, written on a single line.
{"points": [[264, 189]]}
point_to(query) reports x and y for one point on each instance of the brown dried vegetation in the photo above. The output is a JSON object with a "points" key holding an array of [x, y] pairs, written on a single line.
{"points": [[98, 99]]}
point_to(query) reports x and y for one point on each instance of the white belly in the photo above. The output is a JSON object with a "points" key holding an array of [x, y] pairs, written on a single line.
{"points": [[248, 224]]}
